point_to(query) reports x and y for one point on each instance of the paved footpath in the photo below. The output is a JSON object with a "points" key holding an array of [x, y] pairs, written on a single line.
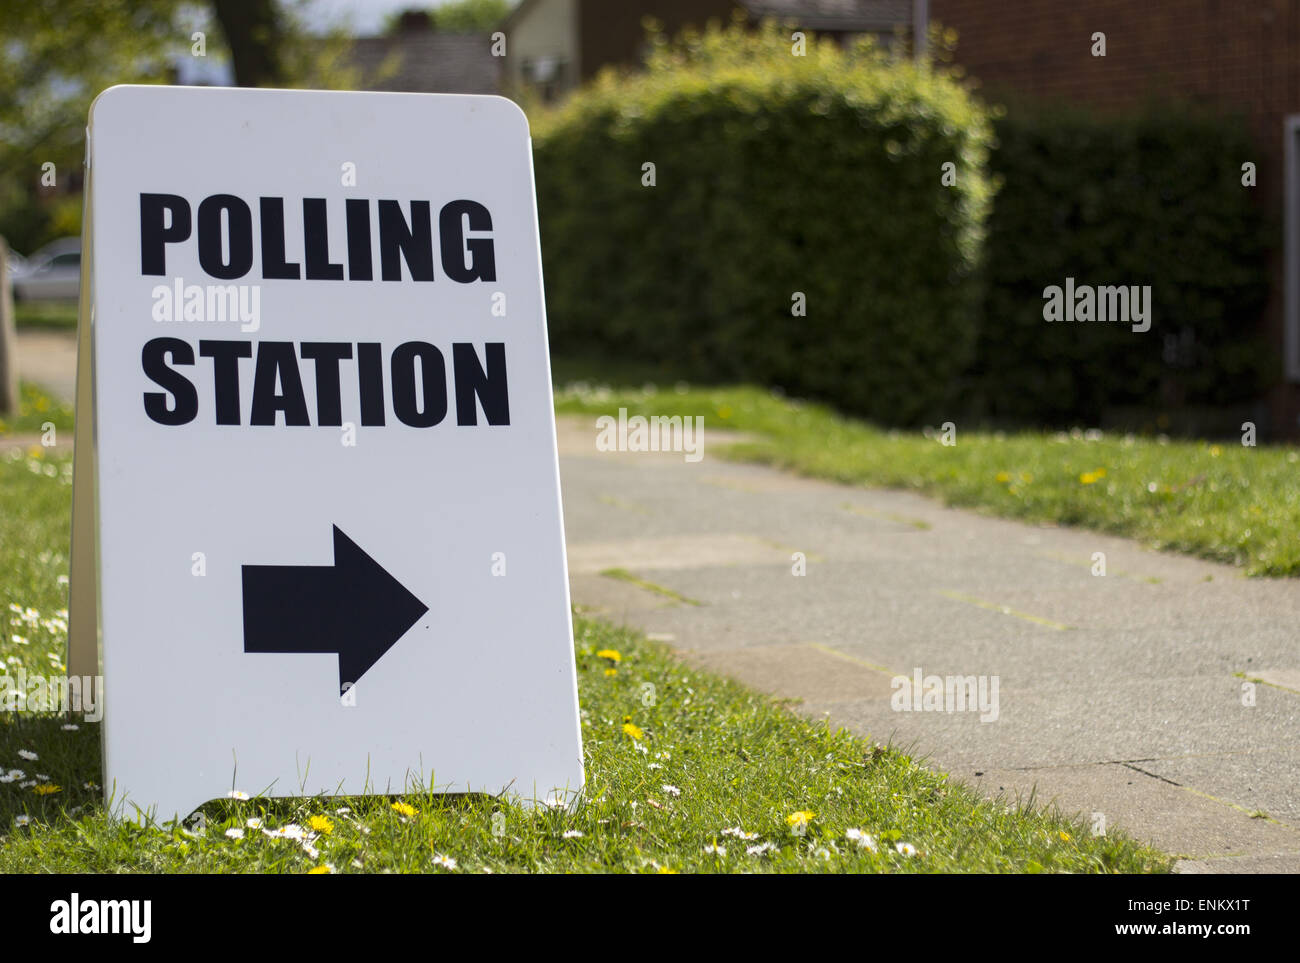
{"points": [[1119, 695], [49, 358]]}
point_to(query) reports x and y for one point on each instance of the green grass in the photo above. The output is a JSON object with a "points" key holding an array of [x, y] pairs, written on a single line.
{"points": [[1221, 501], [735, 757], [35, 410], [60, 315]]}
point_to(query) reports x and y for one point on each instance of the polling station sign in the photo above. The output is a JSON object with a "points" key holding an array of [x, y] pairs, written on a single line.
{"points": [[329, 552]]}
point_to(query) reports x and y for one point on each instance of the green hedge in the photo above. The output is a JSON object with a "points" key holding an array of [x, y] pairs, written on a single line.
{"points": [[775, 174], [821, 174], [1154, 198]]}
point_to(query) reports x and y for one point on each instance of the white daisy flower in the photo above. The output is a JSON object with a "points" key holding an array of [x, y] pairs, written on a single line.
{"points": [[906, 849], [28, 755], [739, 833], [671, 790], [571, 834], [760, 849], [22, 820], [863, 840], [234, 834], [236, 794], [70, 727], [715, 849], [253, 822], [446, 862]]}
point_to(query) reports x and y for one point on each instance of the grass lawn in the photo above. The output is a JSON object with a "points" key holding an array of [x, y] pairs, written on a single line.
{"points": [[1223, 501], [36, 409], [675, 775], [46, 314]]}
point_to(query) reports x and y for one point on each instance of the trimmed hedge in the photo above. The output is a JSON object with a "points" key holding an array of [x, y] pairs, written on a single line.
{"points": [[774, 174], [822, 174], [1154, 198]]}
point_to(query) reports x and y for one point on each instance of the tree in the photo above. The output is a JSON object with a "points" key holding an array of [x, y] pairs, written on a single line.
{"points": [[255, 33], [56, 56], [466, 16]]}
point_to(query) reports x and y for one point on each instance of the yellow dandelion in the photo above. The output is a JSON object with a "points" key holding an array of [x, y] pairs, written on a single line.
{"points": [[47, 789], [801, 818], [1002, 477], [667, 871], [609, 672], [403, 809], [611, 654], [319, 824], [633, 730], [319, 871], [1215, 451], [1065, 837]]}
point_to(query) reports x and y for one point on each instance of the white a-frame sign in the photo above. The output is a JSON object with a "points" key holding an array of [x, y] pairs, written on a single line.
{"points": [[317, 535]]}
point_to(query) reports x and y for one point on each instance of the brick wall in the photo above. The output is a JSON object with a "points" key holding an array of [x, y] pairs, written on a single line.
{"points": [[1243, 55]]}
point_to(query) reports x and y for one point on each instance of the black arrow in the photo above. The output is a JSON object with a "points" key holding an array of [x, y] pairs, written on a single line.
{"points": [[353, 607]]}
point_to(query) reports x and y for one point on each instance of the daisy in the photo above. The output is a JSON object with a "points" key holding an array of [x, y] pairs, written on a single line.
{"points": [[253, 822], [234, 834], [906, 849], [715, 849], [28, 755], [446, 862], [22, 820], [863, 840], [671, 790], [70, 727], [572, 834], [760, 849], [236, 794], [739, 833]]}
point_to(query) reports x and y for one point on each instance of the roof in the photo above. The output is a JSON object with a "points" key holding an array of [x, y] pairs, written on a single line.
{"points": [[428, 62], [846, 15]]}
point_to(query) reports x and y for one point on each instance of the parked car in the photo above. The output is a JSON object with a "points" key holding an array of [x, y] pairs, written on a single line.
{"points": [[51, 274]]}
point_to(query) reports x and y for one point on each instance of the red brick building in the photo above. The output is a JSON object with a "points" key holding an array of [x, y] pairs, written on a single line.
{"points": [[1241, 56]]}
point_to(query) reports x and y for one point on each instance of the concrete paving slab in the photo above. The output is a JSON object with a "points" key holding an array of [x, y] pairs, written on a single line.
{"points": [[1143, 666]]}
